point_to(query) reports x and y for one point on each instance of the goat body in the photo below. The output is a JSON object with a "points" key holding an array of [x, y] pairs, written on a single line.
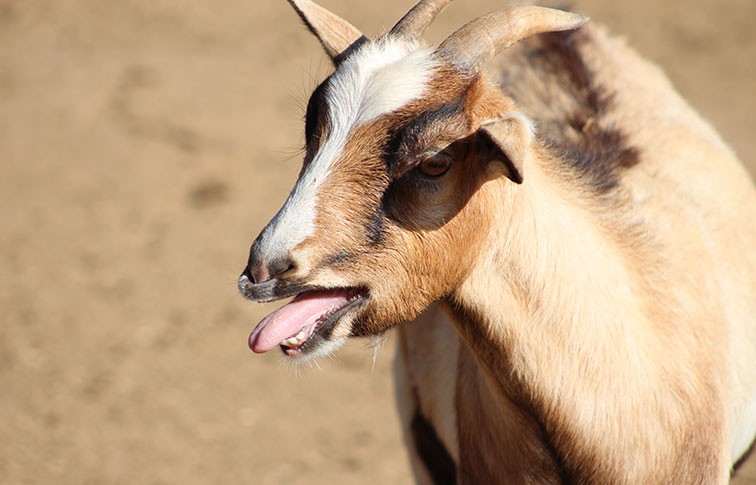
{"points": [[585, 241]]}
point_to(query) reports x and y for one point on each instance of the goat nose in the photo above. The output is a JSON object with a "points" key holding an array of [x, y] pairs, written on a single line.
{"points": [[260, 273]]}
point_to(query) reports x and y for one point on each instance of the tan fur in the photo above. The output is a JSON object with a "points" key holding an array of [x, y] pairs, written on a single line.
{"points": [[640, 396], [600, 317]]}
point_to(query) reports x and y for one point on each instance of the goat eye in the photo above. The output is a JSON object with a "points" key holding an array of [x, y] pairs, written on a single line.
{"points": [[435, 166]]}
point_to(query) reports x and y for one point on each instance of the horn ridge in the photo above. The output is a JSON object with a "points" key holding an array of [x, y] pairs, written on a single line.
{"points": [[414, 23], [481, 39]]}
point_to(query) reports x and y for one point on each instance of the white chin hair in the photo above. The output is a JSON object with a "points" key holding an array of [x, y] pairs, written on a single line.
{"points": [[324, 350]]}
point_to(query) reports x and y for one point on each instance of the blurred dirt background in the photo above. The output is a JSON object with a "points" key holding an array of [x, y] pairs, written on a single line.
{"points": [[143, 145]]}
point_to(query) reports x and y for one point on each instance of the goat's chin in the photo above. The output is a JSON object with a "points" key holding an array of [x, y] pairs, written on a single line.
{"points": [[321, 347], [311, 357]]}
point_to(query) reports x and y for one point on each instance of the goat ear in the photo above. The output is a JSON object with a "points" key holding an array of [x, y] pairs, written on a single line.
{"points": [[336, 34], [509, 139]]}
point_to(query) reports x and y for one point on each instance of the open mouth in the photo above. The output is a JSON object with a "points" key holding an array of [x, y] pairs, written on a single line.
{"points": [[294, 326]]}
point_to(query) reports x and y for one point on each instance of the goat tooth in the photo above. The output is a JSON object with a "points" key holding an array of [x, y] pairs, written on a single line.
{"points": [[296, 340], [290, 342]]}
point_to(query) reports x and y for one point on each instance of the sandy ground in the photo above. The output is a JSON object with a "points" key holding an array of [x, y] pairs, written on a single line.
{"points": [[143, 144]]}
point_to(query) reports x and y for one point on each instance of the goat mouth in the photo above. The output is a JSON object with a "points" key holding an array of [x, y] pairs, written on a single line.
{"points": [[310, 316]]}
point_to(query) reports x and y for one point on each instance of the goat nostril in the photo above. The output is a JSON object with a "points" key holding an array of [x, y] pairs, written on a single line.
{"points": [[260, 275], [247, 273], [258, 272]]}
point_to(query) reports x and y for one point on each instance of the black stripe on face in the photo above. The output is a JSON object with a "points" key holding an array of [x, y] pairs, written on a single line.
{"points": [[337, 258], [376, 227], [316, 117], [415, 138]]}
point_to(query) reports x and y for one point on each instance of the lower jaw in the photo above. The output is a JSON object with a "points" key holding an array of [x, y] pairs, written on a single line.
{"points": [[290, 351]]}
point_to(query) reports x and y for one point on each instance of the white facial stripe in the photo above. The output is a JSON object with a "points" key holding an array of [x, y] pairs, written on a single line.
{"points": [[293, 223], [379, 78]]}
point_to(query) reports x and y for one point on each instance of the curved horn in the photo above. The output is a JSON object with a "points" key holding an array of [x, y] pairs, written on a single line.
{"points": [[336, 34], [479, 40], [413, 24]]}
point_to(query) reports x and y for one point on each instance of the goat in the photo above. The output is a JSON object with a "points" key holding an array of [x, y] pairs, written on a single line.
{"points": [[575, 246]]}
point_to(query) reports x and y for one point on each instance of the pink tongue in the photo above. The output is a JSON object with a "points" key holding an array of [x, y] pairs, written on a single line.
{"points": [[301, 314]]}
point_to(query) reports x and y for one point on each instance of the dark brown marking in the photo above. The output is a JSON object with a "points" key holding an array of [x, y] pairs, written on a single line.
{"points": [[376, 227], [433, 453], [341, 256], [598, 152], [741, 461], [576, 131], [316, 117], [349, 50], [405, 146]]}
